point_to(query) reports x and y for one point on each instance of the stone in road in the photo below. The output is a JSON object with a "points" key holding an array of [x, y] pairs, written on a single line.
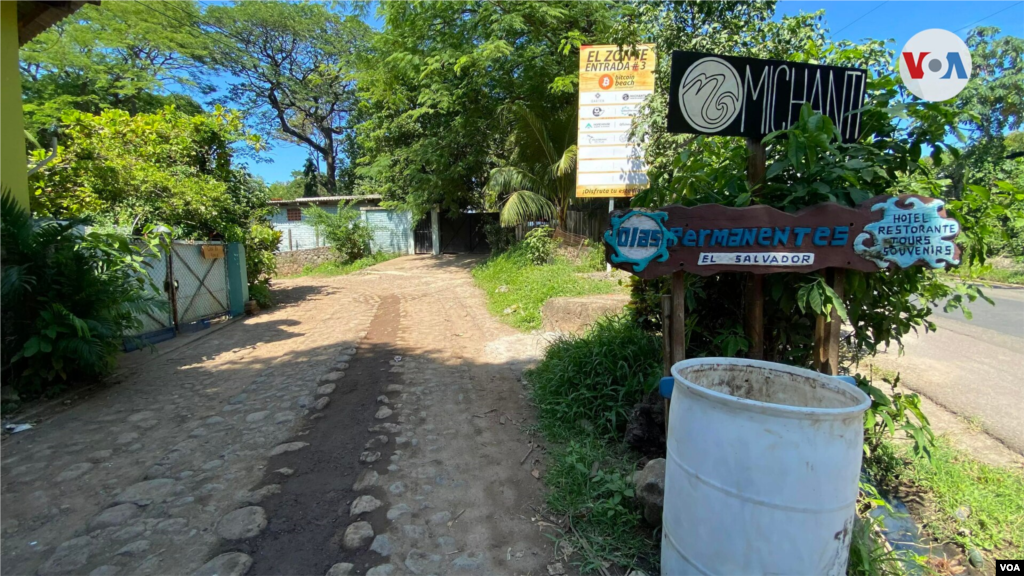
{"points": [[150, 466], [401, 475], [972, 367], [135, 477]]}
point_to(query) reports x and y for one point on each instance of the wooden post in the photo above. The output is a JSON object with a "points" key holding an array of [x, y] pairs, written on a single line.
{"points": [[753, 309], [754, 315], [827, 330], [837, 278], [820, 344], [666, 344], [666, 333], [678, 325]]}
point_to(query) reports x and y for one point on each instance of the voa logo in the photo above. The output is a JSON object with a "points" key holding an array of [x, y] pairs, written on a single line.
{"points": [[935, 65], [1009, 567]]}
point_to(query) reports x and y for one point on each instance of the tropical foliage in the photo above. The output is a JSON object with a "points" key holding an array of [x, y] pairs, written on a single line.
{"points": [[169, 168], [68, 297], [345, 231], [539, 181], [119, 55], [433, 87], [808, 165]]}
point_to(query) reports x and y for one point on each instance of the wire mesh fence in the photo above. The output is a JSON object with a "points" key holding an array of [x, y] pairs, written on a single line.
{"points": [[201, 283]]}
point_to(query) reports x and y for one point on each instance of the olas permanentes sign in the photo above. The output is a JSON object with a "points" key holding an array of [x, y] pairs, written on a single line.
{"points": [[733, 96], [884, 232]]}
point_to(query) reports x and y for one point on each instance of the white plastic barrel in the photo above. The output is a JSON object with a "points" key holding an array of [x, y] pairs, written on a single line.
{"points": [[762, 470]]}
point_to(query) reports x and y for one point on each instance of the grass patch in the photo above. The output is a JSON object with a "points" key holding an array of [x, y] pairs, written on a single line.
{"points": [[999, 269], [588, 384], [334, 268], [591, 483], [524, 287], [995, 496], [1004, 276], [584, 388]]}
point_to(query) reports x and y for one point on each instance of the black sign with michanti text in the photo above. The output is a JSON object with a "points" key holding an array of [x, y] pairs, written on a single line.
{"points": [[733, 96]]}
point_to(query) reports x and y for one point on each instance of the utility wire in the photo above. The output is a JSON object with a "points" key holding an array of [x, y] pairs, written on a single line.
{"points": [[861, 18], [990, 15]]}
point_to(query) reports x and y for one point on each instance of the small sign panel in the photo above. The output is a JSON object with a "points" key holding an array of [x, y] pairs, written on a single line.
{"points": [[912, 230], [211, 251], [903, 231], [734, 96], [614, 83]]}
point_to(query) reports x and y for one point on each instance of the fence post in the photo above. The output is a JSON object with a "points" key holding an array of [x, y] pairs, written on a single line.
{"points": [[435, 230], [238, 283]]}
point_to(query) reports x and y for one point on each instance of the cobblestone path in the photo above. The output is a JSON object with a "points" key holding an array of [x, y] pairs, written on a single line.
{"points": [[372, 423]]}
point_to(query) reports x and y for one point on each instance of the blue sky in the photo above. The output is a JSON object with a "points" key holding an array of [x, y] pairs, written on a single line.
{"points": [[901, 20], [850, 20]]}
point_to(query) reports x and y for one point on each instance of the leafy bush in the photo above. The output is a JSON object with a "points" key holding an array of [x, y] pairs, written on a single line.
{"points": [[168, 167], [591, 382], [539, 246], [260, 292], [68, 298], [499, 238], [260, 263], [888, 413], [592, 257], [345, 231]]}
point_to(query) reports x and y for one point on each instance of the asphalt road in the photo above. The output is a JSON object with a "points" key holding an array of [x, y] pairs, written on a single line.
{"points": [[1006, 317], [974, 368]]}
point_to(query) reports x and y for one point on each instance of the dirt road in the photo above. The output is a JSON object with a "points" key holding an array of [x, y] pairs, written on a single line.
{"points": [[372, 423]]}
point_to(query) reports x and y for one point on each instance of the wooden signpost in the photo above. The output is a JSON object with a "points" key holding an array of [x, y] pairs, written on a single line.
{"points": [[884, 232], [732, 96]]}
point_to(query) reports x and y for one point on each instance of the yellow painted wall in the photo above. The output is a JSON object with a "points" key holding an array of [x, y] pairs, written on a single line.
{"points": [[13, 170]]}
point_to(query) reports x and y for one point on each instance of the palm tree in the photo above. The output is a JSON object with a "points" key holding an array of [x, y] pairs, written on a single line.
{"points": [[539, 181]]}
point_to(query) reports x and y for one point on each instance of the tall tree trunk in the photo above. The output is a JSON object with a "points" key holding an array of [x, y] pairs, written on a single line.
{"points": [[330, 153], [330, 173]]}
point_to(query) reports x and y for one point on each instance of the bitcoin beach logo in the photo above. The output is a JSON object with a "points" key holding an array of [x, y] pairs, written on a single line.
{"points": [[709, 94]]}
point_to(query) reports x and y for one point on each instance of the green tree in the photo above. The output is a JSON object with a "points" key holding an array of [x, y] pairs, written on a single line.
{"points": [[310, 179], [168, 167], [991, 109], [291, 68], [171, 168], [126, 55], [434, 80]]}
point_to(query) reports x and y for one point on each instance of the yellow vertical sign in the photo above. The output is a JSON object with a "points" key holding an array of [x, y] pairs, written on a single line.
{"points": [[614, 84]]}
